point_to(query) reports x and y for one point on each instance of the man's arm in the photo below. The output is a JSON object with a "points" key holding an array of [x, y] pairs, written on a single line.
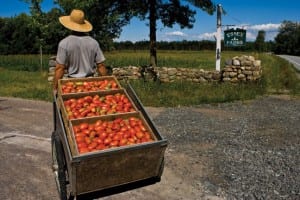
{"points": [[59, 73], [101, 69]]}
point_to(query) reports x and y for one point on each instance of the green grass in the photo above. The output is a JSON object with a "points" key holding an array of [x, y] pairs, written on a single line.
{"points": [[185, 59], [23, 84], [278, 77], [187, 93], [29, 63]]}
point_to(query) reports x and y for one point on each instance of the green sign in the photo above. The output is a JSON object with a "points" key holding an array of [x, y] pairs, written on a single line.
{"points": [[234, 37]]}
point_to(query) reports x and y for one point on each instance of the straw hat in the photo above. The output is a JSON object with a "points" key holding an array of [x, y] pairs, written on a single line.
{"points": [[76, 22]]}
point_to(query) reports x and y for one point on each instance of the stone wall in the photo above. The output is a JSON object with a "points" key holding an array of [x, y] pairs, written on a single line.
{"points": [[243, 68], [237, 69]]}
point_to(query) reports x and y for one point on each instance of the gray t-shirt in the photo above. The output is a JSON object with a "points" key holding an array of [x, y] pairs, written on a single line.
{"points": [[79, 54]]}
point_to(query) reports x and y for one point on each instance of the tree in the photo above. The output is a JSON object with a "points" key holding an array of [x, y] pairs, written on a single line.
{"points": [[287, 40], [169, 13], [205, 5], [107, 16], [16, 36], [260, 41]]}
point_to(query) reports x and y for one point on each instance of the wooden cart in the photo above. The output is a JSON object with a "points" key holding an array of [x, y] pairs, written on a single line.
{"points": [[106, 172]]}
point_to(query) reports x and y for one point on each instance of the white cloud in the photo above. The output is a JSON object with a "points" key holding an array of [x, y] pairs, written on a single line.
{"points": [[265, 27], [207, 36], [176, 33], [250, 36]]}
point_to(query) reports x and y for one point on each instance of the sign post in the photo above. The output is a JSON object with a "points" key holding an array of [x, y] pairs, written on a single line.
{"points": [[218, 37]]}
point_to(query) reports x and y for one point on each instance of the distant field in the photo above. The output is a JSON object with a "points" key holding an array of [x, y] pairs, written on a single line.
{"points": [[186, 59]]}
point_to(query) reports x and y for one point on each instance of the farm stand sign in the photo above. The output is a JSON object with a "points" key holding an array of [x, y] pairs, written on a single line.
{"points": [[234, 37]]}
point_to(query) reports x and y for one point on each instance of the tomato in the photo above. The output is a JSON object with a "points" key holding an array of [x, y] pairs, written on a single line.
{"points": [[115, 127], [91, 127], [123, 129], [126, 135], [132, 131], [98, 140], [101, 147], [107, 141], [99, 129], [88, 99], [147, 135], [116, 137], [114, 143], [83, 150], [132, 123], [123, 142], [92, 134], [79, 134], [83, 126], [76, 129], [87, 140], [86, 131], [131, 140], [144, 139], [103, 135], [80, 139], [98, 123], [92, 145], [81, 145], [139, 134], [114, 85]]}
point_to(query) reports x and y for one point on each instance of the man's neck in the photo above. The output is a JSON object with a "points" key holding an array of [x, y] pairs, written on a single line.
{"points": [[79, 33]]}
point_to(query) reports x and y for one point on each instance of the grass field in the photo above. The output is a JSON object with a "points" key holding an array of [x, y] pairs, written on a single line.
{"points": [[187, 59], [23, 76]]}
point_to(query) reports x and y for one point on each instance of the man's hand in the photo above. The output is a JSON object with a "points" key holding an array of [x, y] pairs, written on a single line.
{"points": [[59, 73], [101, 69]]}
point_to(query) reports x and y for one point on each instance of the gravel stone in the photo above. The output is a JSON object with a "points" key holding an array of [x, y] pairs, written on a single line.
{"points": [[247, 150]]}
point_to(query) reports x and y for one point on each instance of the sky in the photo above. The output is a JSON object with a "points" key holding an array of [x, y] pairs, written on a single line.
{"points": [[252, 15]]}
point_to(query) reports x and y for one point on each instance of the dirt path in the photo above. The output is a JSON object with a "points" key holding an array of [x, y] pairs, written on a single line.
{"points": [[214, 152]]}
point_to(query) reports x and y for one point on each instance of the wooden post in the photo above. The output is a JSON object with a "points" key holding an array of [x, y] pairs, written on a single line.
{"points": [[218, 37]]}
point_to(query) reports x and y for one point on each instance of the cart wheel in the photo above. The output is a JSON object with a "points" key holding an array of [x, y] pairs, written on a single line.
{"points": [[59, 166]]}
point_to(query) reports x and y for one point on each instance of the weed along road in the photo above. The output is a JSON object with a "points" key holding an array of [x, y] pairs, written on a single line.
{"points": [[238, 150], [295, 60]]}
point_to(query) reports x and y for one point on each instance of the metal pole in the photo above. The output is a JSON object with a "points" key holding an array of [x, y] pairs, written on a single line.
{"points": [[218, 37]]}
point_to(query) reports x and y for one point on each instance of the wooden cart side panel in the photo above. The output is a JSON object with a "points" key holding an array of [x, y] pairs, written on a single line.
{"points": [[115, 169]]}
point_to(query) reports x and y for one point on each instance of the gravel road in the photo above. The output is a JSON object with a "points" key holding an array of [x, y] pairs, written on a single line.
{"points": [[241, 150]]}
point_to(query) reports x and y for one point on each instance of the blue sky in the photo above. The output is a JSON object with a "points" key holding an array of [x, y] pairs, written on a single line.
{"points": [[252, 15]]}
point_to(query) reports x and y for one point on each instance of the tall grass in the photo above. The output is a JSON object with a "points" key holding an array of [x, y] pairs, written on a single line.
{"points": [[185, 59], [29, 63], [280, 76], [187, 93], [23, 84]]}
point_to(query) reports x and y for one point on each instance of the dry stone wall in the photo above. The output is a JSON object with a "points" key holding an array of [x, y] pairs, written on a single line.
{"points": [[238, 69], [242, 69]]}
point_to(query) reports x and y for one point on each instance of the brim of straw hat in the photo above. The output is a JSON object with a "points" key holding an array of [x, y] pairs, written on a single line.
{"points": [[67, 22]]}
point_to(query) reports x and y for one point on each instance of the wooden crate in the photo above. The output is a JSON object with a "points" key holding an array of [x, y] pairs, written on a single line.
{"points": [[62, 82], [93, 120], [63, 98]]}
